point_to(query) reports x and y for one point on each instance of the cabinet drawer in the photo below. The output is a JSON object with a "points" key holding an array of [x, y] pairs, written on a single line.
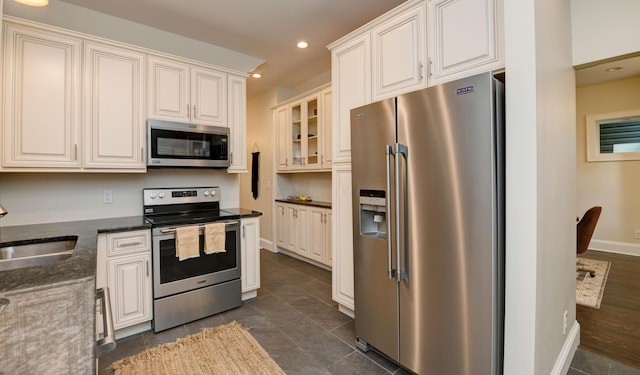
{"points": [[128, 242]]}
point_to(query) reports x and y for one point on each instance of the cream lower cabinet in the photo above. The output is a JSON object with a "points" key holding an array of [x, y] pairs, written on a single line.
{"points": [[297, 229], [124, 265], [320, 235], [250, 257], [42, 102], [304, 230]]}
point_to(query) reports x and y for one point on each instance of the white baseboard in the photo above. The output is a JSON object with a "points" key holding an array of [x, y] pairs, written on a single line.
{"points": [[615, 247], [267, 245], [563, 362]]}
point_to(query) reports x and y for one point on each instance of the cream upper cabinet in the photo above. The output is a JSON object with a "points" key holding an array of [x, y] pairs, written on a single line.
{"points": [[237, 102], [465, 38], [283, 136], [326, 141], [42, 103], [303, 134], [208, 97], [351, 82], [399, 54], [114, 118], [181, 92]]}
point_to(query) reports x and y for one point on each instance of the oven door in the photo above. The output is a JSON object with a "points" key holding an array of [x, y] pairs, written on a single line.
{"points": [[171, 276]]}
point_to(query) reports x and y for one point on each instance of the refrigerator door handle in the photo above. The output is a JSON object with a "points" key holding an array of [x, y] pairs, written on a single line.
{"points": [[388, 150], [400, 150]]}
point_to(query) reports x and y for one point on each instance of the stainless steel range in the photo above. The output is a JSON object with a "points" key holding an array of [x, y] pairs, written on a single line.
{"points": [[200, 286]]}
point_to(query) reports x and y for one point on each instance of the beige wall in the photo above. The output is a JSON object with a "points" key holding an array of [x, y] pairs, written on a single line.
{"points": [[614, 185], [260, 135], [260, 132]]}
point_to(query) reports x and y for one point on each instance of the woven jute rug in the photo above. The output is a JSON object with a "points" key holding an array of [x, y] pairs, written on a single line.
{"points": [[222, 350], [589, 290]]}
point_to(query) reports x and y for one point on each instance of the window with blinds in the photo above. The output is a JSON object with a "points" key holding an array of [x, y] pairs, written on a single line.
{"points": [[613, 136]]}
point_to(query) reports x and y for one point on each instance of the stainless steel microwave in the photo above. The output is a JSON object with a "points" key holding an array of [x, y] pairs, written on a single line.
{"points": [[176, 144]]}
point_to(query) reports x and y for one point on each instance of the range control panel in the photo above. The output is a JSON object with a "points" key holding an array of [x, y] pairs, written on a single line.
{"points": [[166, 196]]}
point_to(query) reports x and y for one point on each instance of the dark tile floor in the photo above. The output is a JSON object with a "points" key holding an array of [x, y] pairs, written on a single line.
{"points": [[298, 324]]}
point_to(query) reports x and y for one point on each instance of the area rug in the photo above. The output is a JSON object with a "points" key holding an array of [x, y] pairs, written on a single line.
{"points": [[589, 290], [222, 350]]}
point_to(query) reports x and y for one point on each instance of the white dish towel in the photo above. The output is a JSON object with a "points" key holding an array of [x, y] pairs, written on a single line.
{"points": [[187, 242], [214, 238]]}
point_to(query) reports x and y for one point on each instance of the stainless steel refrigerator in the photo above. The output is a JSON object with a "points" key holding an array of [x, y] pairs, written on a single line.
{"points": [[428, 234]]}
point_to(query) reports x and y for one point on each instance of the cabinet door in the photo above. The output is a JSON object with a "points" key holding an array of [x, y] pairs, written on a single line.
{"points": [[398, 50], [281, 226], [250, 254], [129, 283], [283, 138], [208, 97], [326, 131], [342, 237], [238, 123], [351, 83], [312, 132], [168, 90], [302, 216], [316, 234], [328, 257], [113, 107], [465, 38], [42, 74], [293, 226]]}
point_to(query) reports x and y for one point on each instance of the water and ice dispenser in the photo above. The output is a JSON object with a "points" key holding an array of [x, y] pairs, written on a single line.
{"points": [[373, 213]]}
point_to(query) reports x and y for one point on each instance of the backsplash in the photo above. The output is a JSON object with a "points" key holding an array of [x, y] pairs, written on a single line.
{"points": [[33, 198]]}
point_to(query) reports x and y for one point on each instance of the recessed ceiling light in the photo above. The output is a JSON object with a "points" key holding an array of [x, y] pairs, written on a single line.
{"points": [[614, 69], [302, 44], [33, 3], [256, 75]]}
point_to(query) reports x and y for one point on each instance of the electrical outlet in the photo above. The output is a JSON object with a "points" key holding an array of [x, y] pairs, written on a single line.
{"points": [[565, 322], [268, 185], [107, 197], [636, 234]]}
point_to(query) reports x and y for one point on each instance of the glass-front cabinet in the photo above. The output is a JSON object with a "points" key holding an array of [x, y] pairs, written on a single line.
{"points": [[302, 137]]}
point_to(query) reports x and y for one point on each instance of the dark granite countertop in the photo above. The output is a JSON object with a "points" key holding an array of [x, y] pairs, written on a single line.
{"points": [[81, 265], [238, 213], [306, 203]]}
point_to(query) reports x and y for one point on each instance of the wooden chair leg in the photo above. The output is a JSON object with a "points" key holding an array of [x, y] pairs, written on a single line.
{"points": [[592, 273]]}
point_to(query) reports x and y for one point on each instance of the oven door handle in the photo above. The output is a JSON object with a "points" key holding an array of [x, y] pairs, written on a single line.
{"points": [[201, 227]]}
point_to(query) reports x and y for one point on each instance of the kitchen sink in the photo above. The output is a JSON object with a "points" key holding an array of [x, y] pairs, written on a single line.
{"points": [[31, 253]]}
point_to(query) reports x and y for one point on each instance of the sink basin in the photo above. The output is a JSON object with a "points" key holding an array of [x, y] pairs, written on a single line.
{"points": [[23, 254]]}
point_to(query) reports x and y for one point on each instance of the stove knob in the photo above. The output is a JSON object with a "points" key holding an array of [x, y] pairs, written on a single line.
{"points": [[160, 195], [152, 196], [206, 193], [213, 192]]}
